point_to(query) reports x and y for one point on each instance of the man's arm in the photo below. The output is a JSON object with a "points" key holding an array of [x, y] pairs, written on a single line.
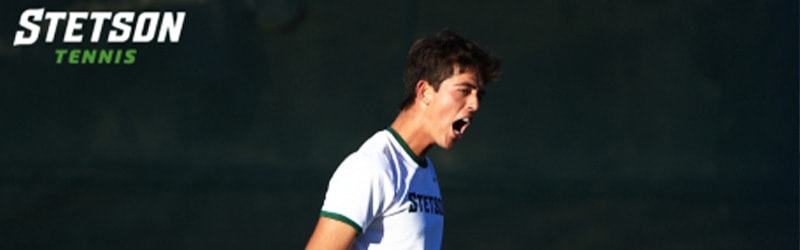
{"points": [[331, 234]]}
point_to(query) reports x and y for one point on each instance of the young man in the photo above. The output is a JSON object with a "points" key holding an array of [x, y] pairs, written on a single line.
{"points": [[385, 195]]}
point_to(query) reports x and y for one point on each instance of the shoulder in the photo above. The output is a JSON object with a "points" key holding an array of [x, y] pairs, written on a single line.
{"points": [[373, 159]]}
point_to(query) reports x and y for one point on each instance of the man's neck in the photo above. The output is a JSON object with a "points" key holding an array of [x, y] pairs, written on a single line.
{"points": [[409, 126]]}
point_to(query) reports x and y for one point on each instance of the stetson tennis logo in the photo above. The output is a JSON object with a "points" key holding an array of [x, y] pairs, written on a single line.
{"points": [[124, 27]]}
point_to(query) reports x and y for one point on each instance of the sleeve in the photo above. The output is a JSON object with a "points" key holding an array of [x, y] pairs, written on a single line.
{"points": [[359, 191]]}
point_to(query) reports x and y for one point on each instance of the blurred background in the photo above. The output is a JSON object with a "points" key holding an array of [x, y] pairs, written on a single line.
{"points": [[617, 124]]}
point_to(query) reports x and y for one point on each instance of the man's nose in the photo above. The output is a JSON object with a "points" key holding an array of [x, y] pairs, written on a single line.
{"points": [[474, 102]]}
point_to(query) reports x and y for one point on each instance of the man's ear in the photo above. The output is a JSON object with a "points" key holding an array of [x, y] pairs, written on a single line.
{"points": [[424, 91]]}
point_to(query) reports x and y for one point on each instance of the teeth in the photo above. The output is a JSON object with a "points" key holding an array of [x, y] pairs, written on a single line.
{"points": [[465, 120], [457, 132]]}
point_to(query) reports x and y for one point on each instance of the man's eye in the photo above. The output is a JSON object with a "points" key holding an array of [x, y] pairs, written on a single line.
{"points": [[465, 91]]}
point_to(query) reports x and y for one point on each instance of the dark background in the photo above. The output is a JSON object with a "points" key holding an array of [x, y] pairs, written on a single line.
{"points": [[617, 124]]}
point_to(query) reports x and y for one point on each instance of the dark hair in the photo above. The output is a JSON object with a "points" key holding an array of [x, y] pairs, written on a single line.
{"points": [[433, 59]]}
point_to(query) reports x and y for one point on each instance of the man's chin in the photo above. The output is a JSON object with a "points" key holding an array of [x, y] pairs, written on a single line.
{"points": [[448, 144]]}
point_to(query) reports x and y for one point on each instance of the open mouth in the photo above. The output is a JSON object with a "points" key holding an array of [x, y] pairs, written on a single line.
{"points": [[460, 126]]}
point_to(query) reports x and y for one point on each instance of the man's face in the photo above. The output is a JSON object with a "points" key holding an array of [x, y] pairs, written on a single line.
{"points": [[449, 111]]}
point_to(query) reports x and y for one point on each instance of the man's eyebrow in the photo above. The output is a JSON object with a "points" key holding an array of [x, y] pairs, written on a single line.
{"points": [[468, 84]]}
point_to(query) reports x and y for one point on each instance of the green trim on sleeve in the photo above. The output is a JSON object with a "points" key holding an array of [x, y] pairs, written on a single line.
{"points": [[421, 162], [344, 219]]}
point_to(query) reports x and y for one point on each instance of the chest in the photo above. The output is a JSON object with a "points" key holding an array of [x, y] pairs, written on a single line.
{"points": [[419, 205]]}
